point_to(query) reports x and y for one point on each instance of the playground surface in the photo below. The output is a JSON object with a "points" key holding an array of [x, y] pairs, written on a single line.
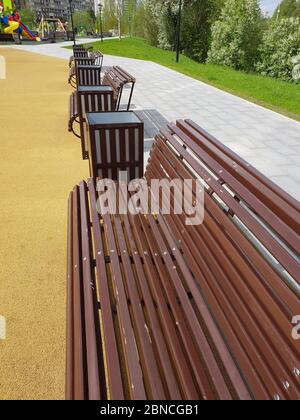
{"points": [[39, 166]]}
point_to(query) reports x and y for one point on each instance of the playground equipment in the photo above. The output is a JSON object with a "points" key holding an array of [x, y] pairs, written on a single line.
{"points": [[51, 28], [11, 21]]}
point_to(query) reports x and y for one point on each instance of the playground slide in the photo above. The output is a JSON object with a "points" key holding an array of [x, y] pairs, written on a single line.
{"points": [[26, 32], [13, 26]]}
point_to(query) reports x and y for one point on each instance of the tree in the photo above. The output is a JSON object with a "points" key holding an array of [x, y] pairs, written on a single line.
{"points": [[139, 20], [198, 17], [160, 22], [280, 45], [288, 8], [161, 19], [151, 23], [84, 21], [236, 35], [28, 17], [109, 15]]}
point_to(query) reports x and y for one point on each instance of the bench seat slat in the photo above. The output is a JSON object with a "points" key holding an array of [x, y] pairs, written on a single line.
{"points": [[80, 376]]}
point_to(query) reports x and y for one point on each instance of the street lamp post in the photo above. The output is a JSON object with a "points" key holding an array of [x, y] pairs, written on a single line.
{"points": [[72, 21], [100, 6], [178, 32]]}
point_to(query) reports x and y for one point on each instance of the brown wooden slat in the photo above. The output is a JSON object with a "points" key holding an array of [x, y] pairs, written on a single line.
{"points": [[80, 377], [70, 306]]}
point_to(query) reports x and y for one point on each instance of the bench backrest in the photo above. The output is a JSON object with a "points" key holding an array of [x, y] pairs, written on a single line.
{"points": [[81, 54], [92, 59], [88, 75], [244, 257]]}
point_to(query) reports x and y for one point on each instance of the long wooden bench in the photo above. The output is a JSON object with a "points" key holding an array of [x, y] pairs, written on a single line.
{"points": [[161, 310]]}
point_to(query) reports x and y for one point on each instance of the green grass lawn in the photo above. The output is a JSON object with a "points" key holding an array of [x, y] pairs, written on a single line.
{"points": [[280, 96]]}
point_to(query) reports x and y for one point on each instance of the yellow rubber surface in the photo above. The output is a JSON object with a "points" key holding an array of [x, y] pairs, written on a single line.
{"points": [[40, 164]]}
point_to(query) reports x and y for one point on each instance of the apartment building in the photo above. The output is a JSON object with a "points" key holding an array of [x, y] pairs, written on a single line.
{"points": [[55, 8]]}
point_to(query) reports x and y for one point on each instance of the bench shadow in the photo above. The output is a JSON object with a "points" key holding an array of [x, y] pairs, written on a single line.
{"points": [[153, 121]]}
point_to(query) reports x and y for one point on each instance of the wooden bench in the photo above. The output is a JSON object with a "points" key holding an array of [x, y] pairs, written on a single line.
{"points": [[78, 52], [118, 78], [161, 310], [77, 55]]}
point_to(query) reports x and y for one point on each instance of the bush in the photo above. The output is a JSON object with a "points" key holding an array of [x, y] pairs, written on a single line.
{"points": [[237, 35], [281, 43]]}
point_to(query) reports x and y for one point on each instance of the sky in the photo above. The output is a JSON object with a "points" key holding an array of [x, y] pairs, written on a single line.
{"points": [[269, 5]]}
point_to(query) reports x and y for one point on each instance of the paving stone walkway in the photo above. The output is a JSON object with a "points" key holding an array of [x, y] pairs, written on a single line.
{"points": [[269, 141]]}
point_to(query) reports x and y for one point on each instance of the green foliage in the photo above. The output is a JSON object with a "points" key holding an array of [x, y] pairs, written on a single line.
{"points": [[288, 8], [109, 15], [151, 24], [281, 42], [198, 16], [28, 17], [139, 21], [237, 35], [83, 21], [132, 17], [161, 22]]}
